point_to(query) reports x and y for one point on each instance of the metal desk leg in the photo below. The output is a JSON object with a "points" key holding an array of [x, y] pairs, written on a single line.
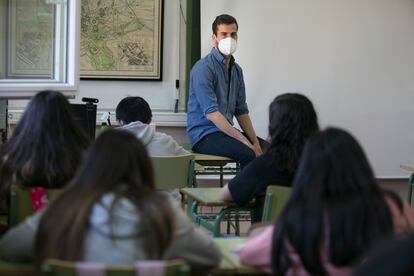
{"points": [[228, 224], [221, 176], [223, 213], [410, 188], [237, 224], [194, 212], [192, 175], [217, 223]]}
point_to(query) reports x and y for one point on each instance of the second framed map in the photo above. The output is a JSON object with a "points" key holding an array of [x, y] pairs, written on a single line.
{"points": [[121, 39]]}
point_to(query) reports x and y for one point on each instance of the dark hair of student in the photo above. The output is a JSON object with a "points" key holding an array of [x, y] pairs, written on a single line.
{"points": [[292, 119], [223, 19], [117, 163], [46, 147], [335, 203], [391, 257], [133, 109]]}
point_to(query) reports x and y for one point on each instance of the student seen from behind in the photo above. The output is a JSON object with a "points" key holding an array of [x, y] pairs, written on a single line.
{"points": [[336, 213], [135, 115], [112, 214], [45, 148], [292, 119]]}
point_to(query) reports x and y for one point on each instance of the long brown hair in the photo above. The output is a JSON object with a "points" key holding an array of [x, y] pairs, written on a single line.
{"points": [[118, 164], [336, 205], [46, 147], [292, 119]]}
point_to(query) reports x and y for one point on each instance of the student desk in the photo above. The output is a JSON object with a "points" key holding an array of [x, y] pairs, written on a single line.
{"points": [[410, 184], [210, 197], [17, 269], [206, 164], [230, 264]]}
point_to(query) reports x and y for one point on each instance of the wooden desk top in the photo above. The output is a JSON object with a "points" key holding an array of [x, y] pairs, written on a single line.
{"points": [[208, 157], [211, 160], [229, 248], [209, 197], [406, 167], [205, 157], [231, 260], [206, 196]]}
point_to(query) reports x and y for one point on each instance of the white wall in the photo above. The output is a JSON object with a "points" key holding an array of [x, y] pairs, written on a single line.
{"points": [[160, 94], [354, 59], [3, 38]]}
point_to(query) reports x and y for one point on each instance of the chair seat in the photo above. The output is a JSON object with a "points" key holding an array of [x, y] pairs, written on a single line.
{"points": [[209, 197]]}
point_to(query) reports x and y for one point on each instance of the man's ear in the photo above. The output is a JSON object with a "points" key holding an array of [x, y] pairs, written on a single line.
{"points": [[149, 121], [120, 122], [214, 40]]}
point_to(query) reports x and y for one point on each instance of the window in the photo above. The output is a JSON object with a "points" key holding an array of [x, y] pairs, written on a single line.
{"points": [[39, 47]]}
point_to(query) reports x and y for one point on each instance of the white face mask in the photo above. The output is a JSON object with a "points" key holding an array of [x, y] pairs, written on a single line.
{"points": [[227, 46]]}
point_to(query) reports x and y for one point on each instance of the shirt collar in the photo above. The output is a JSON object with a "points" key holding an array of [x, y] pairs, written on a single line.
{"points": [[219, 57]]}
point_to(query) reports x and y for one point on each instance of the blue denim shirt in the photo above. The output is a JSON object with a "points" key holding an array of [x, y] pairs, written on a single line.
{"points": [[210, 91]]}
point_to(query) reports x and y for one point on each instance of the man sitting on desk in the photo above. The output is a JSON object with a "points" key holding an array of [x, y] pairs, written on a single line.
{"points": [[217, 93]]}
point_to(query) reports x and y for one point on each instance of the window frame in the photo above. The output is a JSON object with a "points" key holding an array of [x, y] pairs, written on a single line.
{"points": [[65, 78]]}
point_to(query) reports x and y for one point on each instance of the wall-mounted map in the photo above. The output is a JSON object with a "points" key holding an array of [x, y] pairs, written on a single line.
{"points": [[121, 39]]}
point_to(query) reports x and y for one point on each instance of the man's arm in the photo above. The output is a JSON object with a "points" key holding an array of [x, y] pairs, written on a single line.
{"points": [[247, 126], [221, 122]]}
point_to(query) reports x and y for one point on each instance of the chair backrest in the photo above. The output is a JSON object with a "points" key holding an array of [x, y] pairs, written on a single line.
{"points": [[275, 201], [52, 267], [186, 146], [21, 204], [173, 172]]}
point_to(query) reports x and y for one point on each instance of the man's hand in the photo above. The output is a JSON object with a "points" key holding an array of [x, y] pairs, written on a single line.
{"points": [[221, 122], [246, 125], [254, 147], [257, 149]]}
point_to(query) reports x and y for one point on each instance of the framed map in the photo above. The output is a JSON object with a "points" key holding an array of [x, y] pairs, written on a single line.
{"points": [[31, 39], [121, 39]]}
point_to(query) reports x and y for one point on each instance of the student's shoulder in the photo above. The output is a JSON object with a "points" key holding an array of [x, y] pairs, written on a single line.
{"points": [[162, 138], [165, 145], [180, 218]]}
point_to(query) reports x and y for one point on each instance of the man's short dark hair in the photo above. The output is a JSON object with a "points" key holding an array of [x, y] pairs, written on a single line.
{"points": [[224, 19], [132, 109]]}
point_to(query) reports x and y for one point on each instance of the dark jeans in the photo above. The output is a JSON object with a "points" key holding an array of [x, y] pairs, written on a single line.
{"points": [[219, 143]]}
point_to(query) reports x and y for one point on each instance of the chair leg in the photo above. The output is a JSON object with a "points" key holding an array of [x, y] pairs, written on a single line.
{"points": [[192, 175], [221, 176], [228, 223], [217, 222], [237, 224]]}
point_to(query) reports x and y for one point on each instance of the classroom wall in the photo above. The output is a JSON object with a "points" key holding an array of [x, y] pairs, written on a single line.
{"points": [[160, 94], [3, 38], [354, 59]]}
